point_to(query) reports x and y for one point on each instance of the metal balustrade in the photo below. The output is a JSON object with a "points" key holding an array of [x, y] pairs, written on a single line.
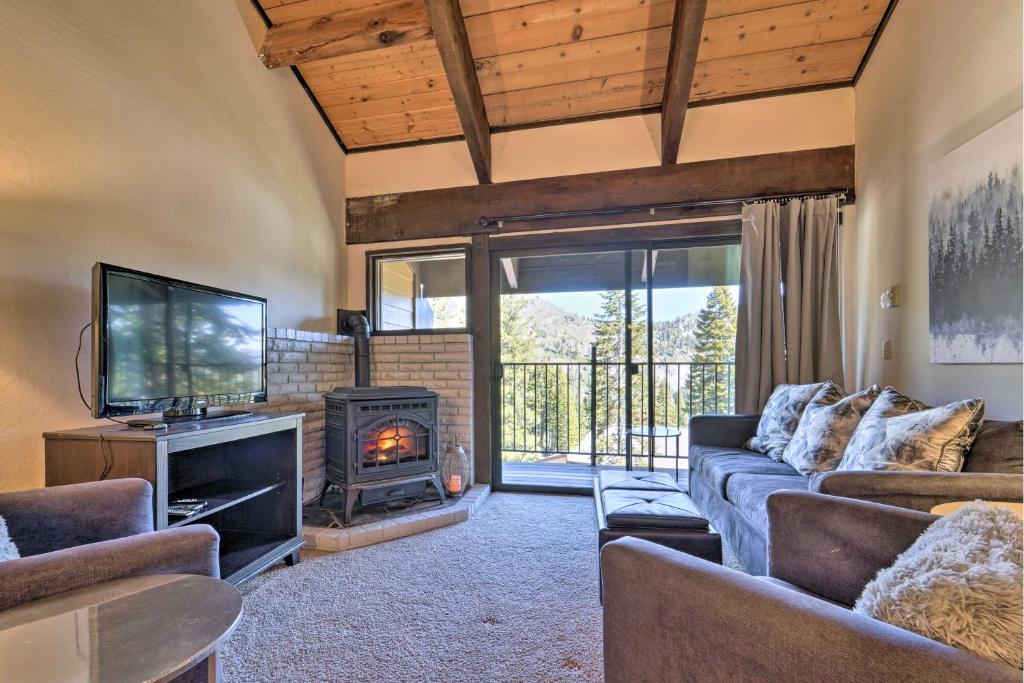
{"points": [[552, 409]]}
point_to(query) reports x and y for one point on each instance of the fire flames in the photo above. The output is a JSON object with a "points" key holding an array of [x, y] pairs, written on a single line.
{"points": [[392, 441]]}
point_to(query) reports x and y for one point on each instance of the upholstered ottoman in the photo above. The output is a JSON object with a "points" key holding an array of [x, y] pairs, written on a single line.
{"points": [[651, 506]]}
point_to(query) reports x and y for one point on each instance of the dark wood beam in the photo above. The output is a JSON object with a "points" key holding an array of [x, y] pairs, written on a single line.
{"points": [[390, 22], [481, 327], [453, 44], [457, 211], [682, 62]]}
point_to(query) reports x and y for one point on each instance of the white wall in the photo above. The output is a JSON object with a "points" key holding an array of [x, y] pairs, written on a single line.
{"points": [[942, 72], [761, 126], [146, 134]]}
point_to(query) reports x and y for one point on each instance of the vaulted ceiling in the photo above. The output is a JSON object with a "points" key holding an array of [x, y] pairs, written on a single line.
{"points": [[376, 69]]}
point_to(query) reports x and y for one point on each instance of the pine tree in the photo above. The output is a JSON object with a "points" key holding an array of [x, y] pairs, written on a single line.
{"points": [[610, 340], [518, 344], [973, 226], [610, 324], [715, 344]]}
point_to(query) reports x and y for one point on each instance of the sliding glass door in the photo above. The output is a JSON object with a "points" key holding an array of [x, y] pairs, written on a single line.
{"points": [[604, 354]]}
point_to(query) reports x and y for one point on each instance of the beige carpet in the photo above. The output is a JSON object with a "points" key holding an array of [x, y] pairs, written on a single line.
{"points": [[510, 595]]}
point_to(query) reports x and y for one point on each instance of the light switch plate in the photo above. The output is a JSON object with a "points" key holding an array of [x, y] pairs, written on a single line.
{"points": [[887, 349]]}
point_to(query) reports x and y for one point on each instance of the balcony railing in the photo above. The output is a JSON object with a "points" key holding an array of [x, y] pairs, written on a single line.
{"points": [[580, 408]]}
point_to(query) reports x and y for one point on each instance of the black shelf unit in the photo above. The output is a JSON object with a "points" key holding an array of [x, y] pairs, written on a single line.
{"points": [[240, 549], [219, 495], [247, 469]]}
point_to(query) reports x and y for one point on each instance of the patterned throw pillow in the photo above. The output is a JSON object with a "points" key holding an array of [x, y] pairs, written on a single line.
{"points": [[899, 433], [825, 429], [8, 551], [780, 417]]}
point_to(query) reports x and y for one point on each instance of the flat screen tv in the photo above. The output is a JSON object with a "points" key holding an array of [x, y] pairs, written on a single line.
{"points": [[163, 345]]}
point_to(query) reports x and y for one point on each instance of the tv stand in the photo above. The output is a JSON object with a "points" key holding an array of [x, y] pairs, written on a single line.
{"points": [[244, 470]]}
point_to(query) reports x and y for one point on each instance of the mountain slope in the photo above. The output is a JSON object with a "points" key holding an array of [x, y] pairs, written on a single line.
{"points": [[561, 336]]}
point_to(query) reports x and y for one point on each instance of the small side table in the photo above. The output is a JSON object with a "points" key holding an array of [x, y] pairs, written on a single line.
{"points": [[147, 628], [950, 508], [647, 432]]}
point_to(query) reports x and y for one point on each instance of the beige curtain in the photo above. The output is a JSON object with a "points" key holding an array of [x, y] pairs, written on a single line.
{"points": [[788, 328]]}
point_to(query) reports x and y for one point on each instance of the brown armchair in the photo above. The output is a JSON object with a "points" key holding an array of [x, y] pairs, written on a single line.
{"points": [[81, 534]]}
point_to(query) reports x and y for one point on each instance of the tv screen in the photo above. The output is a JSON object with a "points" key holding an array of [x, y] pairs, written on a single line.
{"points": [[163, 343]]}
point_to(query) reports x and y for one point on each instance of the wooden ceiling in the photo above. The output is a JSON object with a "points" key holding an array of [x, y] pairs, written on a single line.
{"points": [[375, 67]]}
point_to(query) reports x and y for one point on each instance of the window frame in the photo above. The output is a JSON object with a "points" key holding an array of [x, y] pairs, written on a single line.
{"points": [[372, 259]]}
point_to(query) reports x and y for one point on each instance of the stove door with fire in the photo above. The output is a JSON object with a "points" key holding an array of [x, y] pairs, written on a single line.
{"points": [[394, 445]]}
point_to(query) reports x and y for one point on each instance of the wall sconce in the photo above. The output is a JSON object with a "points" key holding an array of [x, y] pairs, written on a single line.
{"points": [[890, 298]]}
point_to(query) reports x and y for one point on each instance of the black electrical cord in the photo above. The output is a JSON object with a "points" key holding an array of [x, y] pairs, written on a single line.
{"points": [[108, 455], [108, 458], [78, 375]]}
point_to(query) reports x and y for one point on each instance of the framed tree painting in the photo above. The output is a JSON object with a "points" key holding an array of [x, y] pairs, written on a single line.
{"points": [[975, 287]]}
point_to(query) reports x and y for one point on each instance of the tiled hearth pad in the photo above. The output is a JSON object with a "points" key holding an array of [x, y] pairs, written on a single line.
{"points": [[322, 529]]}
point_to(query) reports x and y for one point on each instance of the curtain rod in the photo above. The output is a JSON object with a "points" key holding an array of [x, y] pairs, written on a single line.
{"points": [[499, 221]]}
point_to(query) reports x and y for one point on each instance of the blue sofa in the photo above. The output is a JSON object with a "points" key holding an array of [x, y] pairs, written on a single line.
{"points": [[731, 485]]}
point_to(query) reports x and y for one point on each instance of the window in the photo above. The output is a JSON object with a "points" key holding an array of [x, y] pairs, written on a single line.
{"points": [[414, 291]]}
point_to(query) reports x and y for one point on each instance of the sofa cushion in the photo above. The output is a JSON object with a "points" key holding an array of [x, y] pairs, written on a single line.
{"points": [[900, 433], [749, 493], [999, 448], [716, 464], [781, 415]]}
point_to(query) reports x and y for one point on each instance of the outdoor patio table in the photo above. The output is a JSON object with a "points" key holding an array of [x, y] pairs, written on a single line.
{"points": [[649, 432]]}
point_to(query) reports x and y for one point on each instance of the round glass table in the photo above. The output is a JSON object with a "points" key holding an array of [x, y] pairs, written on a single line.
{"points": [[648, 432], [148, 628]]}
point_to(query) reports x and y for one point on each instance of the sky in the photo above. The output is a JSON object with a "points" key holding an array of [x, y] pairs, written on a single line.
{"points": [[668, 303]]}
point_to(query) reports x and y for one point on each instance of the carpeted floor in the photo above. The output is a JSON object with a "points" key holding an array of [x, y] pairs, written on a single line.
{"points": [[510, 595]]}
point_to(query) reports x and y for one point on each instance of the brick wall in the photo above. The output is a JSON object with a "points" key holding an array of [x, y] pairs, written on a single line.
{"points": [[302, 366], [441, 363]]}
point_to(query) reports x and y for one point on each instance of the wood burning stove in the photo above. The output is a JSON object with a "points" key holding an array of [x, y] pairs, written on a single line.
{"points": [[381, 443]]}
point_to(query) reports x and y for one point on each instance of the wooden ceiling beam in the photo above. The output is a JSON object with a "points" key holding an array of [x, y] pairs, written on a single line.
{"points": [[457, 211], [453, 44], [511, 268], [682, 63], [389, 22]]}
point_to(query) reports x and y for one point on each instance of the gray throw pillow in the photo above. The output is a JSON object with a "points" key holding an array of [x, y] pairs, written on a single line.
{"points": [[825, 429], [780, 417], [8, 551], [899, 433], [997, 448], [959, 583]]}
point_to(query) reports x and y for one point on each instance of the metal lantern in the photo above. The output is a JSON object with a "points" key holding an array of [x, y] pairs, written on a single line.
{"points": [[455, 469]]}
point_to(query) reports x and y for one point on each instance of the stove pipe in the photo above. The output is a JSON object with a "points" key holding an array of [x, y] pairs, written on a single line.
{"points": [[355, 325]]}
